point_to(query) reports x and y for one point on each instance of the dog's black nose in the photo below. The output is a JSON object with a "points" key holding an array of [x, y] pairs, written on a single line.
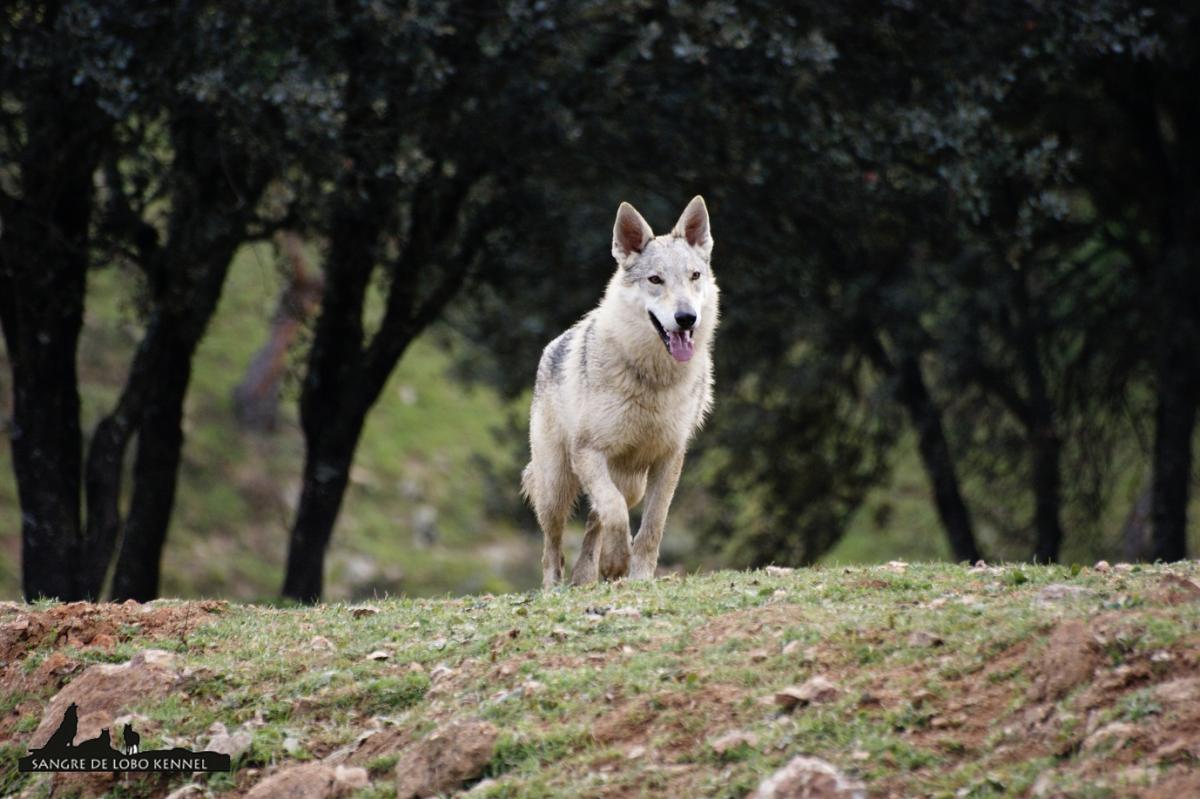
{"points": [[685, 320]]}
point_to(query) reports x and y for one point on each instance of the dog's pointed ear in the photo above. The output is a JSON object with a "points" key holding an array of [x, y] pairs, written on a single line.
{"points": [[693, 226], [631, 234]]}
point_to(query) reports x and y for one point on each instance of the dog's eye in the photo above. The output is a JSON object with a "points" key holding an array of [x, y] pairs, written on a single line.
{"points": [[656, 280], [695, 275]]}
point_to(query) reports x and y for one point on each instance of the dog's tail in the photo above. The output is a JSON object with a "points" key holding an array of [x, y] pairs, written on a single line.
{"points": [[527, 486]]}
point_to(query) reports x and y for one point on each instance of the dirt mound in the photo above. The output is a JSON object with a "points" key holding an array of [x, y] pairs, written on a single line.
{"points": [[452, 754], [82, 624], [78, 626], [1071, 655]]}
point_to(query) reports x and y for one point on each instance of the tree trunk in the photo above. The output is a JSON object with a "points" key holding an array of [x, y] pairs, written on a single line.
{"points": [[208, 222], [326, 473], [42, 319], [936, 458], [106, 460], [1038, 416], [43, 278], [1047, 493], [1178, 393], [155, 474]]}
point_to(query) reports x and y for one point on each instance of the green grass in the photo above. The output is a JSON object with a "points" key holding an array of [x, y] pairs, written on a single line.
{"points": [[935, 665]]}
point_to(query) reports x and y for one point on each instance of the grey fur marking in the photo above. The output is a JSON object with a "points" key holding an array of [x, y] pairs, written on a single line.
{"points": [[587, 337], [559, 354]]}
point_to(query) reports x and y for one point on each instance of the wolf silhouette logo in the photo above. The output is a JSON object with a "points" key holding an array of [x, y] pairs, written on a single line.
{"points": [[61, 753]]}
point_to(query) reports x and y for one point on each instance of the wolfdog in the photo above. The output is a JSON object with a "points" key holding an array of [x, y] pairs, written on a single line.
{"points": [[619, 394]]}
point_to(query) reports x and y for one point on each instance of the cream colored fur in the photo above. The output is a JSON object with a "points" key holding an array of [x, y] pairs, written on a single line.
{"points": [[613, 409]]}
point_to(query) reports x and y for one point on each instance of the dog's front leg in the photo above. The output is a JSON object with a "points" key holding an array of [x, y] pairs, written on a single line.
{"points": [[609, 516], [660, 488]]}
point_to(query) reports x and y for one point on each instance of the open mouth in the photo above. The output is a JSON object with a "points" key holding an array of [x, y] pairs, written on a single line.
{"points": [[679, 343]]}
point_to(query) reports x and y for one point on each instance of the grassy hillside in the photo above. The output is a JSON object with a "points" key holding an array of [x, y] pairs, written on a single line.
{"points": [[936, 681]]}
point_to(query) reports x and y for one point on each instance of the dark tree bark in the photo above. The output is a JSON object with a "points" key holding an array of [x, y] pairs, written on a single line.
{"points": [[208, 222], [935, 457], [1178, 373], [155, 474], [904, 369], [1041, 429], [1163, 114], [327, 464], [43, 275], [344, 379], [1047, 493]]}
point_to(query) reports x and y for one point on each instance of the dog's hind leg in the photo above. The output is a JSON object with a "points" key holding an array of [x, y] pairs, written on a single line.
{"points": [[552, 490], [585, 570]]}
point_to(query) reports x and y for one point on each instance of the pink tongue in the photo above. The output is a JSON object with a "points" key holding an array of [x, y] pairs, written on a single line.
{"points": [[681, 345]]}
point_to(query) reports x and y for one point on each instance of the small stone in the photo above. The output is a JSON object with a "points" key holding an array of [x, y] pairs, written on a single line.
{"points": [[808, 777], [1102, 566], [921, 697], [732, 740], [634, 752], [791, 647], [234, 744], [379, 654], [779, 570], [440, 672], [189, 791], [321, 642], [814, 691], [758, 655], [363, 611], [924, 639], [628, 613]]}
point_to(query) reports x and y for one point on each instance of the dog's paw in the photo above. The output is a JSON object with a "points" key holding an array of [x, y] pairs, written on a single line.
{"points": [[641, 569], [583, 574], [614, 562]]}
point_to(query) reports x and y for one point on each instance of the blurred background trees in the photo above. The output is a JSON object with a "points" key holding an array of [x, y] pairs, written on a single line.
{"points": [[958, 245]]}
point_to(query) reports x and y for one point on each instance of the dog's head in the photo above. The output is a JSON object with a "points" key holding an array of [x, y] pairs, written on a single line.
{"points": [[669, 277]]}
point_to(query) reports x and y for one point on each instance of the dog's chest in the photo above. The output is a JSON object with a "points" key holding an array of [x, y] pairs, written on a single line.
{"points": [[643, 425]]}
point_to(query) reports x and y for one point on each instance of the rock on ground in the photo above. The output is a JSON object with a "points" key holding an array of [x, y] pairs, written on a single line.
{"points": [[808, 778], [310, 781], [451, 755], [105, 691]]}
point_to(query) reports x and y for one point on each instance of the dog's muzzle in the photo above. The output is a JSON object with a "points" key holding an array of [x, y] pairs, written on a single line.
{"points": [[680, 344]]}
